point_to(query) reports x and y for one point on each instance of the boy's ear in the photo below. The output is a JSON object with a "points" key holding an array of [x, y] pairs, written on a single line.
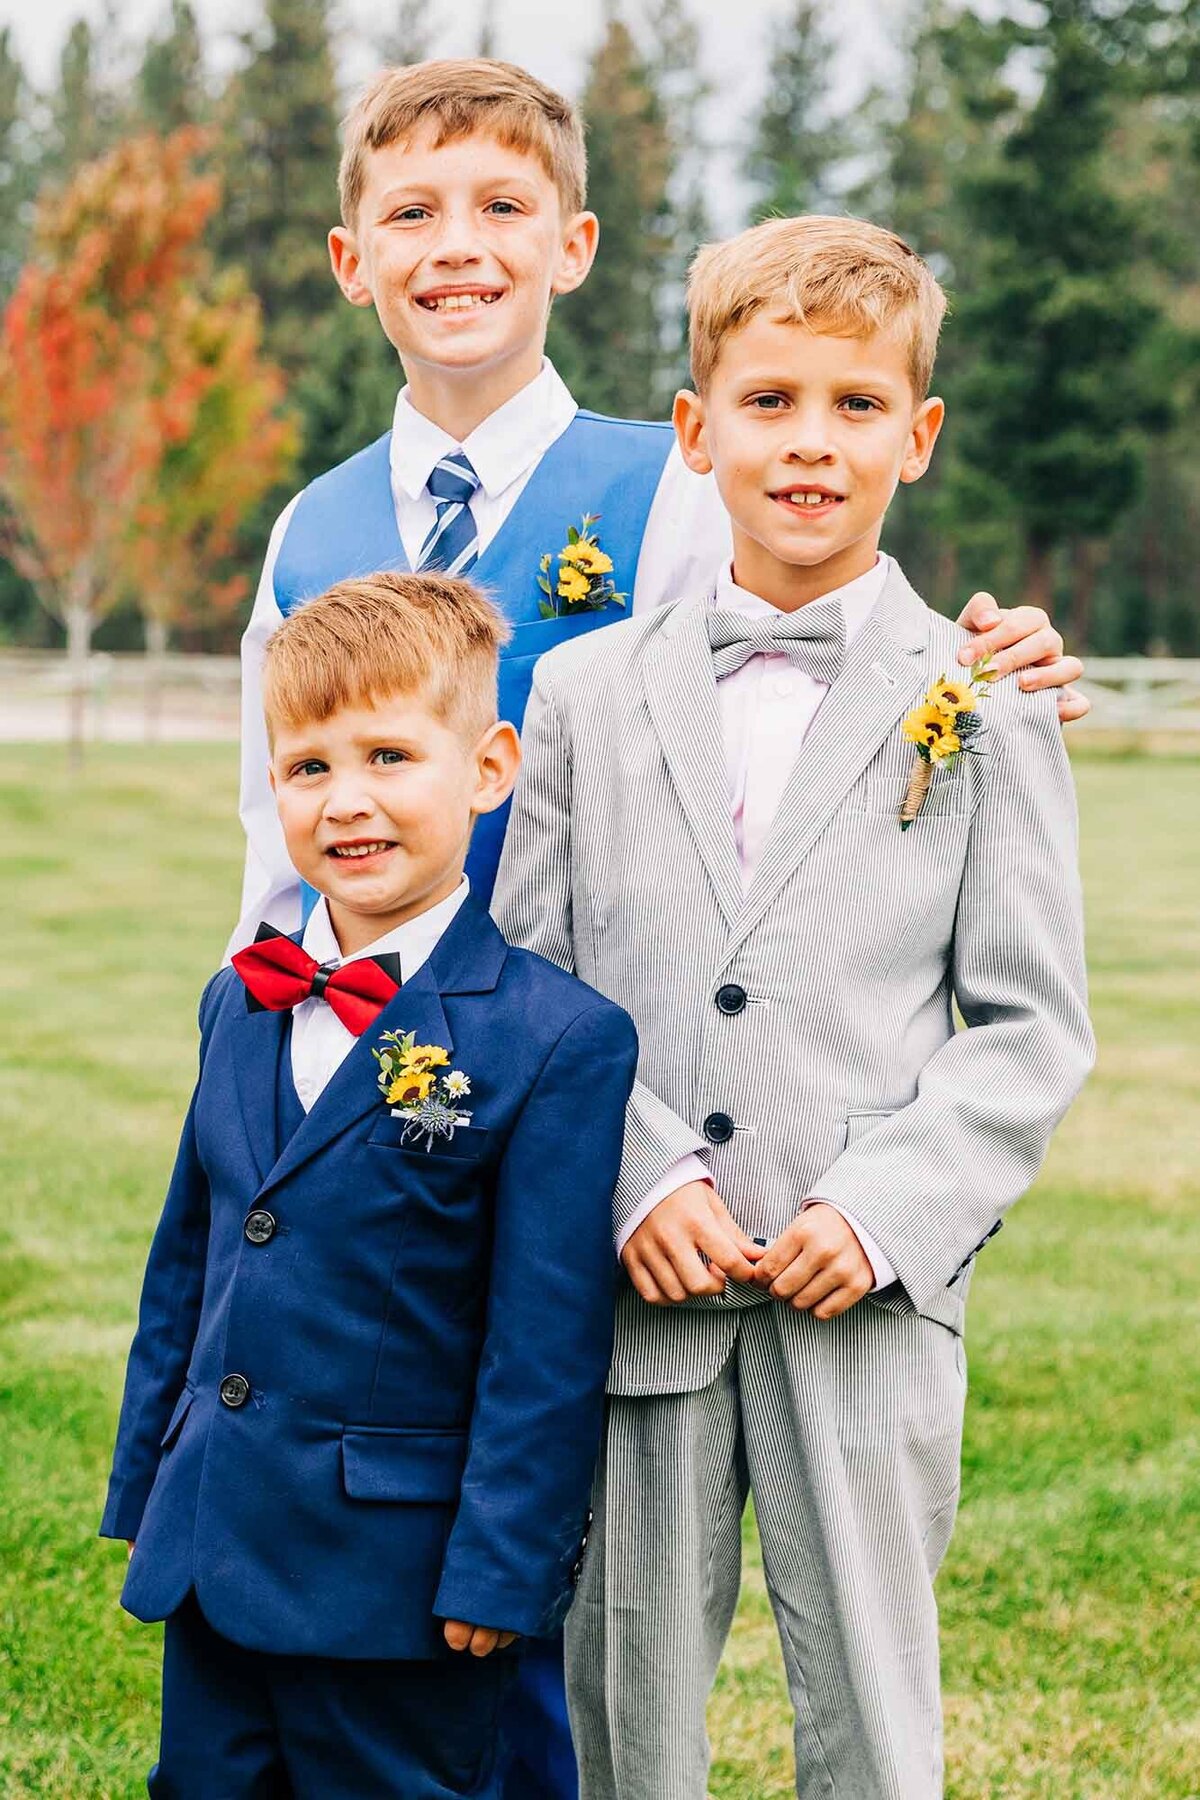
{"points": [[345, 260], [927, 423], [577, 254], [497, 759], [687, 416]]}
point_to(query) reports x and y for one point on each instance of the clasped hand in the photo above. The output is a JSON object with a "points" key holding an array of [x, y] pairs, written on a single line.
{"points": [[690, 1245]]}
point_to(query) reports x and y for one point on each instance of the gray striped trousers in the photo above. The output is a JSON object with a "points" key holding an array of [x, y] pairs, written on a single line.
{"points": [[847, 1432]]}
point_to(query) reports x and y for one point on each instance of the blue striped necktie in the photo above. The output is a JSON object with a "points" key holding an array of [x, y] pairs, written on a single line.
{"points": [[452, 546]]}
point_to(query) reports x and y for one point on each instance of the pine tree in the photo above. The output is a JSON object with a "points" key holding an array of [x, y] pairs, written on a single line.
{"points": [[410, 38], [85, 113], [278, 163], [800, 140], [1056, 405], [605, 338], [675, 70], [170, 84], [17, 166]]}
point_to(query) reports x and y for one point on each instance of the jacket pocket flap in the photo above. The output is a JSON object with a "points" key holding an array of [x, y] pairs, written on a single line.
{"points": [[182, 1408], [859, 1123], [416, 1465]]}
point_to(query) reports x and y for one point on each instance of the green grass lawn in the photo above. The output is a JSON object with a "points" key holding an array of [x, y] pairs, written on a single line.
{"points": [[1071, 1594]]}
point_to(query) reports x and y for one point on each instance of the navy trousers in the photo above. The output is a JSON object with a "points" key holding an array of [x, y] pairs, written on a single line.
{"points": [[539, 1759], [245, 1725]]}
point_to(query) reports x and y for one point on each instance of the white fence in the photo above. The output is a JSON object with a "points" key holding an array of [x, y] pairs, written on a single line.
{"points": [[1132, 697], [1143, 695]]}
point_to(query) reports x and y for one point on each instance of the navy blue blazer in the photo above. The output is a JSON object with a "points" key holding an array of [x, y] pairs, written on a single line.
{"points": [[423, 1337]]}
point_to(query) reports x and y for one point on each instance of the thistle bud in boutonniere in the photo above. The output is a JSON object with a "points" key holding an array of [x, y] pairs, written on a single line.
{"points": [[942, 727], [413, 1088], [583, 580]]}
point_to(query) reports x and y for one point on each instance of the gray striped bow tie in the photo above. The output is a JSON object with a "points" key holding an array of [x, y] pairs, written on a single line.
{"points": [[813, 638], [452, 546]]}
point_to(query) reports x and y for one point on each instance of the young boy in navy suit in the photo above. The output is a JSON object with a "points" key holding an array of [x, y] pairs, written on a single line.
{"points": [[364, 1400]]}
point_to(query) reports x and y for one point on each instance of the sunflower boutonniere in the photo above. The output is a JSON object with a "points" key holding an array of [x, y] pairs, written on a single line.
{"points": [[583, 582], [414, 1089], [946, 723]]}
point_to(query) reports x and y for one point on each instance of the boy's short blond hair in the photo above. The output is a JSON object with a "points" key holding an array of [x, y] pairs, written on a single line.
{"points": [[374, 636], [835, 275], [459, 97]]}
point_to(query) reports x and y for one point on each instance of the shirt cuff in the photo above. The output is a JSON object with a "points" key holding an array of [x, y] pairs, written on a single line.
{"points": [[688, 1168], [881, 1268]]}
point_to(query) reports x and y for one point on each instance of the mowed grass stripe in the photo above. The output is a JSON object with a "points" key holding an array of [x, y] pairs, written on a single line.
{"points": [[1070, 1595]]}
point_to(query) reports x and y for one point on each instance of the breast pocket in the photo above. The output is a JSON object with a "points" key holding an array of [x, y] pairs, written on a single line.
{"points": [[470, 1143], [950, 793]]}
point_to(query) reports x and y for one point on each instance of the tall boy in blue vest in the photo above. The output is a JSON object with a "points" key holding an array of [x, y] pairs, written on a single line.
{"points": [[364, 1401], [462, 189]]}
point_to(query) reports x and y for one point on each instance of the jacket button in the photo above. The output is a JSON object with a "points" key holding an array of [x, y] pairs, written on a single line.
{"points": [[235, 1390], [731, 998], [260, 1226], [718, 1128]]}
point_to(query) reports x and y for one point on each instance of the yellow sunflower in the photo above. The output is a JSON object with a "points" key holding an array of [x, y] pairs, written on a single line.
{"points": [[423, 1056], [951, 696], [573, 584], [588, 557], [932, 728], [410, 1087]]}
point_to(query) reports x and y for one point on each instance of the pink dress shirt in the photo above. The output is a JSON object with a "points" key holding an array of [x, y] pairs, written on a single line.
{"points": [[766, 709]]}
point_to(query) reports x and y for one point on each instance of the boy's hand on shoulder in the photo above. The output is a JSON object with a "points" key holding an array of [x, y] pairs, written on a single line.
{"points": [[686, 1246], [480, 1640], [817, 1265], [1022, 638]]}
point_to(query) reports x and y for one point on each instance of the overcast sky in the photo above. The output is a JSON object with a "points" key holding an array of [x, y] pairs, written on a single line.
{"points": [[551, 36]]}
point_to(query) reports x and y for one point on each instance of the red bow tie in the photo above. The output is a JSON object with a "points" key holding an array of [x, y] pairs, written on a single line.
{"points": [[278, 975]]}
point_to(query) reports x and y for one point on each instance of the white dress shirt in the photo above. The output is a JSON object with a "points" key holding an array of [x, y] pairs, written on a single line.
{"points": [[766, 709], [686, 537], [320, 1042]]}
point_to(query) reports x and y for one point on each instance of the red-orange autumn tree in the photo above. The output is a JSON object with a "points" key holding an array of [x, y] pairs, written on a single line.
{"points": [[139, 420]]}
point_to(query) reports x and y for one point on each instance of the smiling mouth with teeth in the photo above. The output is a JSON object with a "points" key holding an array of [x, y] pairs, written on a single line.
{"points": [[456, 302], [358, 850], [808, 497]]}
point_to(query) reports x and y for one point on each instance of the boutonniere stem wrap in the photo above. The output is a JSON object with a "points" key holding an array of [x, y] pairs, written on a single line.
{"points": [[583, 580], [414, 1088], [946, 724]]}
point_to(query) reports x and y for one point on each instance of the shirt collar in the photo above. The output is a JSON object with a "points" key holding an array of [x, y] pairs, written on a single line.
{"points": [[414, 942], [856, 598], [501, 449]]}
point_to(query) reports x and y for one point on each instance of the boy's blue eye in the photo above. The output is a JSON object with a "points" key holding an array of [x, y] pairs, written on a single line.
{"points": [[767, 402], [390, 757], [312, 767], [859, 403], [505, 207], [410, 214]]}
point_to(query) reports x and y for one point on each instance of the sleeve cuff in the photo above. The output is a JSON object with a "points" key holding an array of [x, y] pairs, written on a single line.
{"points": [[687, 1168], [881, 1268]]}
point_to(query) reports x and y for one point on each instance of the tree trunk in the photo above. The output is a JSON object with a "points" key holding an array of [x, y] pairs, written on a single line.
{"points": [[1085, 571], [80, 624], [1039, 573], [156, 651]]}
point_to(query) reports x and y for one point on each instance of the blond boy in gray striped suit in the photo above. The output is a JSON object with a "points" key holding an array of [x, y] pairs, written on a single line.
{"points": [[708, 829]]}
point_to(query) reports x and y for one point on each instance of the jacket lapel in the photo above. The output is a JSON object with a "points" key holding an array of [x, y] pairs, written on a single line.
{"points": [[682, 697], [259, 1040], [468, 959], [879, 682]]}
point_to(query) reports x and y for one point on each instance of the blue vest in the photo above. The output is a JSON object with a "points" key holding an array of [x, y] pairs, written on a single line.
{"points": [[344, 525]]}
